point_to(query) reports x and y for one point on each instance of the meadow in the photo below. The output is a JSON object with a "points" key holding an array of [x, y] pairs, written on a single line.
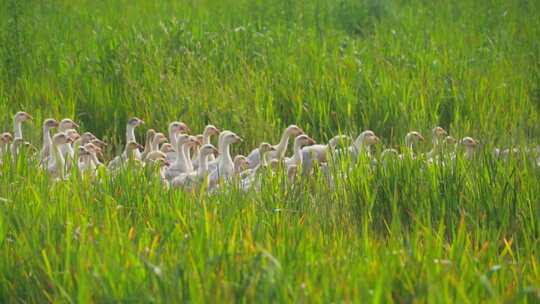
{"points": [[465, 232]]}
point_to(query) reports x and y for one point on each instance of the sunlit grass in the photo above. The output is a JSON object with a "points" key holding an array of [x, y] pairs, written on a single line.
{"points": [[464, 232]]}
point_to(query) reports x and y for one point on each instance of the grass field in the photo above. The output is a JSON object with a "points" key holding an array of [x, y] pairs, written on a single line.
{"points": [[466, 232]]}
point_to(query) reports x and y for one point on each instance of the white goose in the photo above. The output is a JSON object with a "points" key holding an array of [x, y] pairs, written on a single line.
{"points": [[56, 165], [225, 166], [180, 164], [439, 134], [133, 123], [319, 153], [5, 140], [469, 144], [48, 124], [129, 154], [411, 140], [66, 124], [148, 142], [297, 158], [157, 139], [280, 149], [249, 176], [18, 119], [194, 177], [208, 132], [175, 128], [362, 144]]}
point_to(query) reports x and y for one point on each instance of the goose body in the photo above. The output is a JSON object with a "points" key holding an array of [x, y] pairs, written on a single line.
{"points": [[225, 166], [180, 164], [279, 150], [194, 177]]}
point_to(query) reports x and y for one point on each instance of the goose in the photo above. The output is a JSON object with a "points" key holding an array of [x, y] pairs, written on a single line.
{"points": [[411, 140], [439, 134], [159, 160], [299, 142], [129, 154], [319, 153], [179, 165], [241, 163], [20, 142], [94, 151], [194, 144], [166, 148], [56, 165], [190, 178], [18, 119], [176, 128], [148, 143], [469, 144], [280, 149], [48, 124], [157, 139], [133, 123], [84, 162], [225, 167], [5, 139], [249, 176], [208, 132], [67, 150], [362, 144], [66, 124]]}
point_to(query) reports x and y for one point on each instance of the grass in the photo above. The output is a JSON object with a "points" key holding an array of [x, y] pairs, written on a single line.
{"points": [[465, 232]]}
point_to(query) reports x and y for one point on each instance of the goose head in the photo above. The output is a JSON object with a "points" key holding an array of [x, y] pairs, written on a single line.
{"points": [[61, 139], [469, 142], [83, 151], [439, 133], [6, 138], [207, 150], [135, 122], [167, 148], [50, 123], [449, 140], [366, 139], [150, 133], [303, 140], [22, 116], [211, 130], [158, 158], [241, 163], [182, 139], [132, 146], [93, 149], [159, 138], [294, 130], [86, 137], [72, 134], [230, 137], [266, 147], [67, 123], [412, 138], [98, 142], [176, 127]]}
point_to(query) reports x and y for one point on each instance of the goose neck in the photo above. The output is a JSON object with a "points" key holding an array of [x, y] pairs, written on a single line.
{"points": [[17, 131], [281, 148], [130, 133]]}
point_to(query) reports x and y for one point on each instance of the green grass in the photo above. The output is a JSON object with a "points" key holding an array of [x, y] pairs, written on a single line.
{"points": [[465, 232]]}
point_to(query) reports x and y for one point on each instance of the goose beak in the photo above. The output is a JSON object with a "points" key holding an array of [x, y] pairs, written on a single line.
{"points": [[139, 146], [376, 139], [141, 122], [420, 137], [28, 116], [75, 125], [238, 138], [272, 148]]}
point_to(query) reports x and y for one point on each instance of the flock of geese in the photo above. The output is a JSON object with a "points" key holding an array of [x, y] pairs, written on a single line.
{"points": [[188, 161]]}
